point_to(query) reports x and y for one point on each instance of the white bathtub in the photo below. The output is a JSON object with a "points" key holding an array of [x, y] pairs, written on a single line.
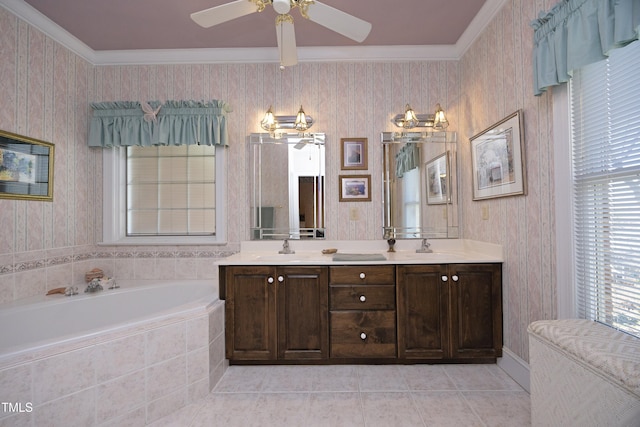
{"points": [[138, 352]]}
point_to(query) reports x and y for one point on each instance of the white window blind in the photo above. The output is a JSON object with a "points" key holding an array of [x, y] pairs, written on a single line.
{"points": [[171, 191], [605, 104]]}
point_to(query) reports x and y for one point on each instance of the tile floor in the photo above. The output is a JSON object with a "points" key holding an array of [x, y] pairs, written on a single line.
{"points": [[359, 395]]}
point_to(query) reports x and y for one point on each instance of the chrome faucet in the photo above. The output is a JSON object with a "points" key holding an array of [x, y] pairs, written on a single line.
{"points": [[285, 248], [425, 248], [94, 286]]}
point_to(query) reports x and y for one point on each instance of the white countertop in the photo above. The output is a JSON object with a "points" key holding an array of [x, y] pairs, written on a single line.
{"points": [[309, 252]]}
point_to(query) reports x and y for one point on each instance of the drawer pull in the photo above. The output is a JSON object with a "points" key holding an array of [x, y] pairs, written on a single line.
{"points": [[444, 278], [362, 275], [280, 279], [270, 280], [363, 298], [363, 336], [454, 278]]}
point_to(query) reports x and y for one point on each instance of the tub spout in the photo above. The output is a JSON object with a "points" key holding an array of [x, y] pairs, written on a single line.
{"points": [[94, 286]]}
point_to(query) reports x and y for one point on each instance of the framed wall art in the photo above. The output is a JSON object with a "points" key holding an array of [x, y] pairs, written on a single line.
{"points": [[26, 168], [353, 153], [355, 188], [498, 162], [437, 180]]}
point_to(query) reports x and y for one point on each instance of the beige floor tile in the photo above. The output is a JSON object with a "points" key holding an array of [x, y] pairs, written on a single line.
{"points": [[390, 409], [335, 378], [381, 378], [501, 408], [478, 377], [280, 409], [335, 409], [427, 377], [445, 409], [226, 409]]}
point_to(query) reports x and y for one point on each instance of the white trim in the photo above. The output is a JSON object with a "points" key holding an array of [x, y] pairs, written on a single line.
{"points": [[114, 204], [256, 55], [484, 16], [563, 177], [516, 368]]}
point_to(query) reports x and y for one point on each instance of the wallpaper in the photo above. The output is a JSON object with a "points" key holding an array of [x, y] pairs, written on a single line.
{"points": [[46, 90]]}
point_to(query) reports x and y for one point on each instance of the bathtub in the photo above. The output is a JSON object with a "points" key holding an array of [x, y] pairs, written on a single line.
{"points": [[136, 353]]}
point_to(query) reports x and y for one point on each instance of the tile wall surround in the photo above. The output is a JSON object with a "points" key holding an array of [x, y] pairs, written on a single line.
{"points": [[47, 89], [132, 376]]}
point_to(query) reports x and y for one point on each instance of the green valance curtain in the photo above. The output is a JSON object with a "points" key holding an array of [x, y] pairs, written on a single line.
{"points": [[125, 123], [575, 33], [408, 158]]}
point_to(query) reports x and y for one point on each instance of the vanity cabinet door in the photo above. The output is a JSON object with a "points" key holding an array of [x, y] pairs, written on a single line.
{"points": [[250, 313], [302, 296], [423, 311], [476, 310]]}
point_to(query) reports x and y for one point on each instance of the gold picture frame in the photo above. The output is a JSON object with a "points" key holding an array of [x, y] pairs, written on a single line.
{"points": [[26, 168], [355, 188]]}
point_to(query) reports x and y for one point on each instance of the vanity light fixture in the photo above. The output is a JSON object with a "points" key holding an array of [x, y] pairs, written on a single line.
{"points": [[410, 119], [300, 122]]}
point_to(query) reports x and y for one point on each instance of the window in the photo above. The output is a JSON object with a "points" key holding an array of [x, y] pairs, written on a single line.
{"points": [[605, 101], [171, 191], [164, 195]]}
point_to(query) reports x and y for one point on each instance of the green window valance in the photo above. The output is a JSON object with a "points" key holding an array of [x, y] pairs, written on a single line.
{"points": [[125, 123], [408, 158], [576, 33]]}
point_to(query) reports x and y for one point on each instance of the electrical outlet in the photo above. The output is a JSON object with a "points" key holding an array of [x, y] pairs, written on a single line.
{"points": [[353, 214], [485, 212]]}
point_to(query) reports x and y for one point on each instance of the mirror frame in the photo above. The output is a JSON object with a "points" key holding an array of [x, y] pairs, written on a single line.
{"points": [[451, 206], [258, 211]]}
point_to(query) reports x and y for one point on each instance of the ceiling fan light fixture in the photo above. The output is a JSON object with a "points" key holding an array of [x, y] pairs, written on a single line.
{"points": [[282, 6]]}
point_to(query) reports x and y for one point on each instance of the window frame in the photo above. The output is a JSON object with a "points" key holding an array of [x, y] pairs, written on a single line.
{"points": [[114, 210]]}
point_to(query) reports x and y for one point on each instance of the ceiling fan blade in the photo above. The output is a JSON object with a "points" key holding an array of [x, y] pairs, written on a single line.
{"points": [[223, 13], [286, 35], [339, 21]]}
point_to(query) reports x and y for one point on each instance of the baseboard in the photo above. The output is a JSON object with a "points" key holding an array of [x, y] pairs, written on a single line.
{"points": [[516, 368]]}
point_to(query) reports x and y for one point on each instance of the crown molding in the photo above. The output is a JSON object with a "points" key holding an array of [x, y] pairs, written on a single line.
{"points": [[256, 55]]}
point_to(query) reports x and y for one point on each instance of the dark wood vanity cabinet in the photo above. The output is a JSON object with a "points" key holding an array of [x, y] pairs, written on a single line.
{"points": [[449, 312], [349, 313], [362, 312], [276, 313]]}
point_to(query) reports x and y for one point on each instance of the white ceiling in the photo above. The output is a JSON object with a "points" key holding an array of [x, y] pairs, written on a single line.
{"points": [[161, 31]]}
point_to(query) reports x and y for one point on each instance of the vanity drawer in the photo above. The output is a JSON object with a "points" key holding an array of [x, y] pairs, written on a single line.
{"points": [[366, 297], [367, 334], [362, 274]]}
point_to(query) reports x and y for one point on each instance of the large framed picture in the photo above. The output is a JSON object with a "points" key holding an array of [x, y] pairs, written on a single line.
{"points": [[26, 168], [355, 188], [353, 153], [437, 180], [497, 156]]}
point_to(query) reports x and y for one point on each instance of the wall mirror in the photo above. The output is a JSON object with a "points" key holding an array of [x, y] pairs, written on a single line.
{"points": [[420, 185], [287, 185]]}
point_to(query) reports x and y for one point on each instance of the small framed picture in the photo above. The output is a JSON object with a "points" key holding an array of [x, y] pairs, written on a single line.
{"points": [[353, 153], [437, 180], [497, 156], [355, 188]]}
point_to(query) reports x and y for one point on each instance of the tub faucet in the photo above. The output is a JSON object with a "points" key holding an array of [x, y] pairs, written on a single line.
{"points": [[94, 286], [286, 249], [425, 248]]}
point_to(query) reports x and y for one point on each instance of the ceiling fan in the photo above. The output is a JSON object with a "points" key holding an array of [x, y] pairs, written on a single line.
{"points": [[327, 16]]}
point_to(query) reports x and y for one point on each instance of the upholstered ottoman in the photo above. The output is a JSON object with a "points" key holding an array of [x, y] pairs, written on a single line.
{"points": [[583, 374]]}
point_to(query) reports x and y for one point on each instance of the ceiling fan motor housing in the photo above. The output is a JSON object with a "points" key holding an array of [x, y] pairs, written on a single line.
{"points": [[282, 6]]}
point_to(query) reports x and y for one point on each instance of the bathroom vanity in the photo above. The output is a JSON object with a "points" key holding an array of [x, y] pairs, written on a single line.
{"points": [[444, 306]]}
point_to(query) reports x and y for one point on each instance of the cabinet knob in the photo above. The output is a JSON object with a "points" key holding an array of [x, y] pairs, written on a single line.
{"points": [[444, 278], [454, 278], [363, 336], [270, 280], [280, 279], [363, 298], [362, 275]]}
